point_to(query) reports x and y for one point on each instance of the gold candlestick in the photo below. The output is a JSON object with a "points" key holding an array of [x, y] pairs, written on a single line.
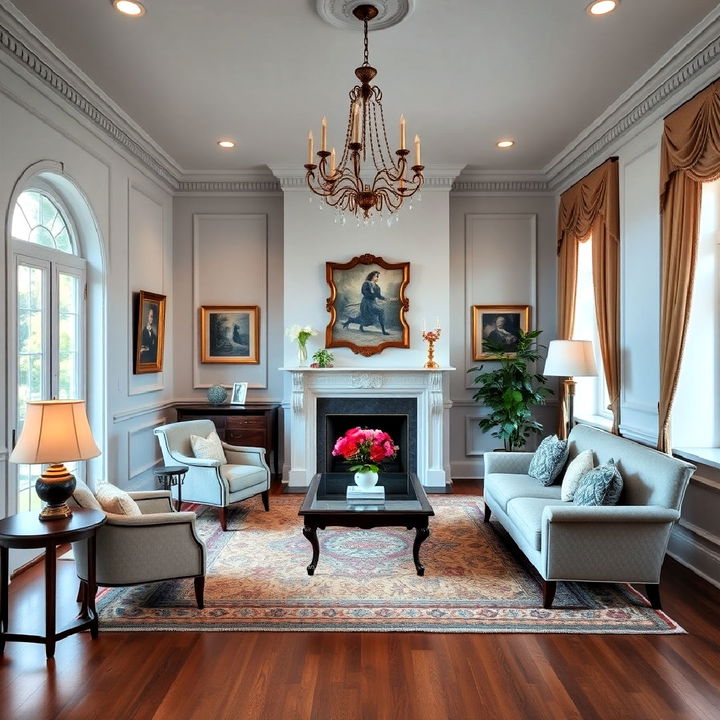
{"points": [[432, 336]]}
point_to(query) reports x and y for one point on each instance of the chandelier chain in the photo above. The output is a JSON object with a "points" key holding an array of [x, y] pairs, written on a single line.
{"points": [[366, 55]]}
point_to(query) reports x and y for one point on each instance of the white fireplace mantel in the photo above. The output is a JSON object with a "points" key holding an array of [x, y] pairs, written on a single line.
{"points": [[427, 386]]}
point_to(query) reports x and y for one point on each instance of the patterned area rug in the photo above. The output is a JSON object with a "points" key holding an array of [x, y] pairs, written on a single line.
{"points": [[366, 581]]}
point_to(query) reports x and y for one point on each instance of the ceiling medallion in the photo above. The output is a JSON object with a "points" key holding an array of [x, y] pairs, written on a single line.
{"points": [[383, 183], [339, 13]]}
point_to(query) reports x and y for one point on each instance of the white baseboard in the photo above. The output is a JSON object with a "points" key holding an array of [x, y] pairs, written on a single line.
{"points": [[690, 551]]}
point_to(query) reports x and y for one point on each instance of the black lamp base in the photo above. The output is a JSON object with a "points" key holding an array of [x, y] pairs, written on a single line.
{"points": [[54, 487]]}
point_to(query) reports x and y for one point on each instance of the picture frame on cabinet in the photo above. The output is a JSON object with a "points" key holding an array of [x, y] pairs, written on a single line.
{"points": [[500, 323], [367, 305], [150, 333], [230, 334], [239, 393]]}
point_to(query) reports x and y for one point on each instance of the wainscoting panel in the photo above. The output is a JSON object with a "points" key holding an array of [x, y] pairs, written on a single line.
{"points": [[143, 449], [230, 268]]}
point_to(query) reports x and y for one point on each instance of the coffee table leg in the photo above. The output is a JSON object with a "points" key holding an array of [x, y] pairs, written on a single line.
{"points": [[421, 534], [311, 534]]}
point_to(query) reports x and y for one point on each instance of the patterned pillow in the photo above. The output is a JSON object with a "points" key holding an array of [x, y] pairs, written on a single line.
{"points": [[116, 501], [209, 448], [548, 460], [601, 486], [582, 464]]}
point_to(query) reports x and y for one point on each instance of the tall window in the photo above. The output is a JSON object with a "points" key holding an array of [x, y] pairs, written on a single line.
{"points": [[48, 304], [591, 396], [696, 410]]}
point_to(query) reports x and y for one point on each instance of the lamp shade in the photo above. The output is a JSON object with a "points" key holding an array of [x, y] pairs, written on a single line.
{"points": [[570, 358], [55, 431]]}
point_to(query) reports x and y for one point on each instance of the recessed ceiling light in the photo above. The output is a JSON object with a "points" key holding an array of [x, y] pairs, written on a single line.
{"points": [[505, 143], [228, 144], [129, 7], [602, 7]]}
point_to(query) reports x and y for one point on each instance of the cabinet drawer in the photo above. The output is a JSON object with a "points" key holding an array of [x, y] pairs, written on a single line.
{"points": [[254, 438], [245, 421]]}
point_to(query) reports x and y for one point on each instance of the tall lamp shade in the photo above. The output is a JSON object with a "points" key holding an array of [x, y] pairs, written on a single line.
{"points": [[569, 359], [54, 432]]}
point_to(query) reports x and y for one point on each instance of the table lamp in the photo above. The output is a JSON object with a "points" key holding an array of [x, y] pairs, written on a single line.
{"points": [[54, 432], [568, 359]]}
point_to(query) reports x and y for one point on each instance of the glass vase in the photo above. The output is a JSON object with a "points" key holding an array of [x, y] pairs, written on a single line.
{"points": [[302, 354]]}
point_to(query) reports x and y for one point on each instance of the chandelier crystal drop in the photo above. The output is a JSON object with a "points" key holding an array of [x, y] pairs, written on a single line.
{"points": [[366, 177]]}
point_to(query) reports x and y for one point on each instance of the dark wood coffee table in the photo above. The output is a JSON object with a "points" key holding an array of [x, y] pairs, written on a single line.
{"points": [[406, 505]]}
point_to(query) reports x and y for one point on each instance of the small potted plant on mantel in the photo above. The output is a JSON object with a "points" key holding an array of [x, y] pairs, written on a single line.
{"points": [[511, 391], [323, 359]]}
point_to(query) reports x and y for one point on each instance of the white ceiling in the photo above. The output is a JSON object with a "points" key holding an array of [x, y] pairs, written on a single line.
{"points": [[464, 72]]}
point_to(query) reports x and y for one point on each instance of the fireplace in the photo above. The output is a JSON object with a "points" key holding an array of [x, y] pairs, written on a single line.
{"points": [[396, 416]]}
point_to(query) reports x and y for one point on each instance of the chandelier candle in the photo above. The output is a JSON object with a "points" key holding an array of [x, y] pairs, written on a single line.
{"points": [[365, 152]]}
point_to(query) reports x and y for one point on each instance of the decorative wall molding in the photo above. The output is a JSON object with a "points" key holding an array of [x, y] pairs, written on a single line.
{"points": [[338, 13], [472, 185], [134, 472], [688, 550], [217, 186], [125, 415]]}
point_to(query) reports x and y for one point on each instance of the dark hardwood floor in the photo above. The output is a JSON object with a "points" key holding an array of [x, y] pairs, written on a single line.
{"points": [[354, 675]]}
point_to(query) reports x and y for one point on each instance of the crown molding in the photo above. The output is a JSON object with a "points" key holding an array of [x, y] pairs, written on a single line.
{"points": [[228, 184], [26, 46], [478, 182], [680, 73]]}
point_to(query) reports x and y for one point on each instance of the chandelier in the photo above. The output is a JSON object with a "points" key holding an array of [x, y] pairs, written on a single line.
{"points": [[385, 182]]}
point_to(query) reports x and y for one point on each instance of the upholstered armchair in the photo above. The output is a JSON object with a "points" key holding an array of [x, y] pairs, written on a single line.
{"points": [[210, 482], [160, 544]]}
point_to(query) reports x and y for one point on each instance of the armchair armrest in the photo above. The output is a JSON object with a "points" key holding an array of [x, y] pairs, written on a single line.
{"points": [[507, 462], [153, 501], [197, 462], [157, 518], [244, 455]]}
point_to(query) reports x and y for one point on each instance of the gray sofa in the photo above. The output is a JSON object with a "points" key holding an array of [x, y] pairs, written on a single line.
{"points": [[625, 543]]}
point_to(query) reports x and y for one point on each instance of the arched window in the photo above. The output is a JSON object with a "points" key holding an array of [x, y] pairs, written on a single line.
{"points": [[47, 301]]}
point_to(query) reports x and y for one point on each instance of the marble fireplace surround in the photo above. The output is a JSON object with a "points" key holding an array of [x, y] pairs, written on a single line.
{"points": [[428, 387]]}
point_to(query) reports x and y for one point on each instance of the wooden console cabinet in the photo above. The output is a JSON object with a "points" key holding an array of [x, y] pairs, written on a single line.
{"points": [[254, 424]]}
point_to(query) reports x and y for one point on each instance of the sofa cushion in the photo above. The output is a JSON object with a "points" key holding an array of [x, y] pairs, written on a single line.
{"points": [[582, 464], [601, 486], [84, 497], [239, 477], [549, 459], [116, 501], [209, 448], [526, 515], [503, 487]]}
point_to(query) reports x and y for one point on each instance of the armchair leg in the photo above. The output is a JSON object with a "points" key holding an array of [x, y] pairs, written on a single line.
{"points": [[223, 518], [266, 500], [200, 591], [487, 512], [81, 592], [549, 587], [653, 594]]}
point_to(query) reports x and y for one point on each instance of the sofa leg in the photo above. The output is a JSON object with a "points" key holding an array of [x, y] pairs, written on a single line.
{"points": [[223, 518], [200, 591], [653, 594], [549, 587], [266, 500], [487, 512]]}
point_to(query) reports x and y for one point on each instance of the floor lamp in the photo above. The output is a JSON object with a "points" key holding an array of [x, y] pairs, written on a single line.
{"points": [[570, 359]]}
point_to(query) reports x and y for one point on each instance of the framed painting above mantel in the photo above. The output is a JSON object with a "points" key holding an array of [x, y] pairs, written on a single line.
{"points": [[367, 305]]}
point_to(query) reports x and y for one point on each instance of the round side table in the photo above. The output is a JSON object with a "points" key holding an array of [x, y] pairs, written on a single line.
{"points": [[171, 475], [26, 530]]}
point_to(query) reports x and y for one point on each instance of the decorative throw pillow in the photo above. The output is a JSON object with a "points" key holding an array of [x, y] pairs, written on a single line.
{"points": [[114, 500], [582, 464], [601, 486], [209, 448], [548, 460], [83, 496]]}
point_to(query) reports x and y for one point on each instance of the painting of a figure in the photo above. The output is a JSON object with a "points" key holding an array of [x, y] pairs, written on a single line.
{"points": [[150, 335], [499, 324], [367, 305], [229, 334]]}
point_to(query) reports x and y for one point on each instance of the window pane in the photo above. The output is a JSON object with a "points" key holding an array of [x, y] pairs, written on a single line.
{"points": [[37, 219], [68, 293]]}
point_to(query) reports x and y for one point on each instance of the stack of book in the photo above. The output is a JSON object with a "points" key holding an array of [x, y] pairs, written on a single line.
{"points": [[372, 496]]}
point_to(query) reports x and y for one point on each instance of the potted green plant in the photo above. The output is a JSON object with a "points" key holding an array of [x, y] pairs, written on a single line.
{"points": [[511, 391], [323, 359]]}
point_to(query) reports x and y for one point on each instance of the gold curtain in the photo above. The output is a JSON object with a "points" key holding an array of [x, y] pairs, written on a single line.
{"points": [[591, 208], [690, 156]]}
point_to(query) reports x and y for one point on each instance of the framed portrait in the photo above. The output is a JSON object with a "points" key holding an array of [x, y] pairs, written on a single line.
{"points": [[499, 323], [150, 333], [367, 305], [239, 393], [230, 334]]}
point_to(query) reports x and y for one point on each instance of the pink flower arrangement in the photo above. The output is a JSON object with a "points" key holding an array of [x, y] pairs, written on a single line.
{"points": [[367, 449]]}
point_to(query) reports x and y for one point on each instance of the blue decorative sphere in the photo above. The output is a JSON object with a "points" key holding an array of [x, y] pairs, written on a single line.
{"points": [[217, 395]]}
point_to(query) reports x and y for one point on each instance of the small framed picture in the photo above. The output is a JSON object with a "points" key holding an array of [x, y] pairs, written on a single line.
{"points": [[150, 333], [499, 323], [230, 334], [239, 393]]}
